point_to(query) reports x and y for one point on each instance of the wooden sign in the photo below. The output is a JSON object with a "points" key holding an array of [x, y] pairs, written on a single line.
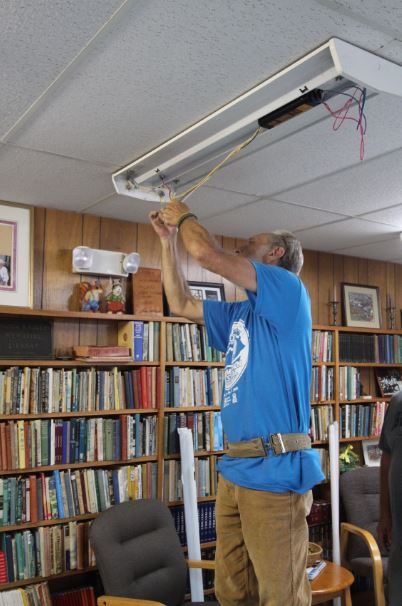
{"points": [[26, 338], [147, 291]]}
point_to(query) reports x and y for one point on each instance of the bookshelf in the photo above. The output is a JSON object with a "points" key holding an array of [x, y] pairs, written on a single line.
{"points": [[173, 372], [30, 420]]}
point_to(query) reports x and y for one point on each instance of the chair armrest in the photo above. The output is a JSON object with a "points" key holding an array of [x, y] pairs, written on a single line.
{"points": [[110, 600], [375, 556], [206, 564]]}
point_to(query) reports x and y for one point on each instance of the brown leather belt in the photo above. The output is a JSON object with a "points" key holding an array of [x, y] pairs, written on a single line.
{"points": [[279, 443]]}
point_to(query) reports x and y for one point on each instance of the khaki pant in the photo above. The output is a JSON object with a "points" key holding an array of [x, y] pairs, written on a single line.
{"points": [[261, 552]]}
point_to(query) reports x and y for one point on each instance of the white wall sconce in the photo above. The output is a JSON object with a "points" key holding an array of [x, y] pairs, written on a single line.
{"points": [[104, 262]]}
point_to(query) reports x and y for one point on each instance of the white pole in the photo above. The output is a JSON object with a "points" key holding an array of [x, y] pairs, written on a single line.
{"points": [[333, 435], [191, 511]]}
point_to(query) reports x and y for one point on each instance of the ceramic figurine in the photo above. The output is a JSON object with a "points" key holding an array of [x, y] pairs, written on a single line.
{"points": [[90, 296], [115, 299]]}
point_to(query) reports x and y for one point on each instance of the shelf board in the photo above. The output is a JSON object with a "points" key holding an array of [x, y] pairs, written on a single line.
{"points": [[145, 459], [54, 522], [197, 453], [199, 500], [52, 577], [84, 413], [323, 363], [55, 363], [359, 438], [190, 408], [371, 364], [322, 402], [196, 364], [63, 314]]}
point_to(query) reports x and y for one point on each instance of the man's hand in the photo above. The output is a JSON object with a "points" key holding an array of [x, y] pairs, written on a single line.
{"points": [[384, 529], [163, 230], [172, 212]]}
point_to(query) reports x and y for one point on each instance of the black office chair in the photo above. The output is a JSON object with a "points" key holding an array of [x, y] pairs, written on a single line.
{"points": [[360, 494], [139, 556]]}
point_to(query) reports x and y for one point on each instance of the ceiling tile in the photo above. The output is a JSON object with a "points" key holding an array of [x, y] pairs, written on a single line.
{"points": [[263, 216], [391, 216], [44, 180], [146, 79], [389, 250], [367, 187], [38, 40], [386, 15], [344, 234]]}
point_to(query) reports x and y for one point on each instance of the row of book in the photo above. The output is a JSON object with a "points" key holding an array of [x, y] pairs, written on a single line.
{"points": [[205, 477], [324, 461], [189, 343], [206, 522], [65, 494], [322, 535], [206, 428], [143, 338], [322, 383], [321, 417], [349, 383], [30, 444], [359, 347], [50, 390], [85, 596], [320, 513], [322, 346], [46, 551], [32, 595], [193, 386], [361, 420]]}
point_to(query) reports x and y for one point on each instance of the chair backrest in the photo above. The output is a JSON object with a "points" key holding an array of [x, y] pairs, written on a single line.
{"points": [[138, 552], [360, 494]]}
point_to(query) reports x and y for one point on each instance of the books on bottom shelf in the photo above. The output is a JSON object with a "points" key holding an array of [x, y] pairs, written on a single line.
{"points": [[85, 596], [206, 522], [34, 595], [46, 551]]}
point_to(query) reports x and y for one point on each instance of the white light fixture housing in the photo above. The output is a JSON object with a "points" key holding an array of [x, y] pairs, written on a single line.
{"points": [[104, 262], [333, 67]]}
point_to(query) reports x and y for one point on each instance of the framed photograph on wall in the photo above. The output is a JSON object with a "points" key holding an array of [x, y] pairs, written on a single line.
{"points": [[212, 291], [389, 380], [371, 453], [16, 256], [361, 306]]}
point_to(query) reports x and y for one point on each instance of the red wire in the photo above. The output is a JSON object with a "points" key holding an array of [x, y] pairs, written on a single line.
{"points": [[341, 114]]}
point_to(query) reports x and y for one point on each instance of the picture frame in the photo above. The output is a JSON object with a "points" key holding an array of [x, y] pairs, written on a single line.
{"points": [[389, 381], [371, 453], [200, 290], [361, 307], [211, 291], [16, 255]]}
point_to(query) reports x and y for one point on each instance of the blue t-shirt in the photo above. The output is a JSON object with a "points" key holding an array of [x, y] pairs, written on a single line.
{"points": [[267, 340]]}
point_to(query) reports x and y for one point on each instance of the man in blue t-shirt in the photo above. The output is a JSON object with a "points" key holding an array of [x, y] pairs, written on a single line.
{"points": [[264, 491]]}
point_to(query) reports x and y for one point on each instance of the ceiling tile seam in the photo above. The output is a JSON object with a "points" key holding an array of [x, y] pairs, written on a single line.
{"points": [[321, 225], [340, 9], [358, 165], [109, 167], [86, 208], [269, 199], [372, 212], [371, 243], [219, 189], [63, 72]]}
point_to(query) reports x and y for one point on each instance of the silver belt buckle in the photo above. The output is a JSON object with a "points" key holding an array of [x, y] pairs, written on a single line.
{"points": [[276, 443]]}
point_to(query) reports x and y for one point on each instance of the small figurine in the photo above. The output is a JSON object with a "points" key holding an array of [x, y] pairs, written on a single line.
{"points": [[90, 296], [115, 299]]}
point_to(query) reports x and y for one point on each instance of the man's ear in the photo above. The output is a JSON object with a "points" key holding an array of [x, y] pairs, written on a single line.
{"points": [[275, 253]]}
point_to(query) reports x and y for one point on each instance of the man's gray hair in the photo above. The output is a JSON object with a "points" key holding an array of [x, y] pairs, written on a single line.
{"points": [[293, 258]]}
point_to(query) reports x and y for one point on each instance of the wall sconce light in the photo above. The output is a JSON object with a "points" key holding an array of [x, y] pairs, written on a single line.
{"points": [[104, 262]]}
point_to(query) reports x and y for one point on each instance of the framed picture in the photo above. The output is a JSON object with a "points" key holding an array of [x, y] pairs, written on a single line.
{"points": [[16, 258], [389, 380], [371, 453], [212, 291], [361, 306]]}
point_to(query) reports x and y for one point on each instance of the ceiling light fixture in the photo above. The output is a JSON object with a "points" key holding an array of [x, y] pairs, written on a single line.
{"points": [[333, 67]]}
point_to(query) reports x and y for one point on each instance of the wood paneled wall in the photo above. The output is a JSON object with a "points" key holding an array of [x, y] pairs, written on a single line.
{"points": [[56, 287]]}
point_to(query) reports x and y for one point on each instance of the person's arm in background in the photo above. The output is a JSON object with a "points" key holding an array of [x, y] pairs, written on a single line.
{"points": [[180, 301], [385, 522]]}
